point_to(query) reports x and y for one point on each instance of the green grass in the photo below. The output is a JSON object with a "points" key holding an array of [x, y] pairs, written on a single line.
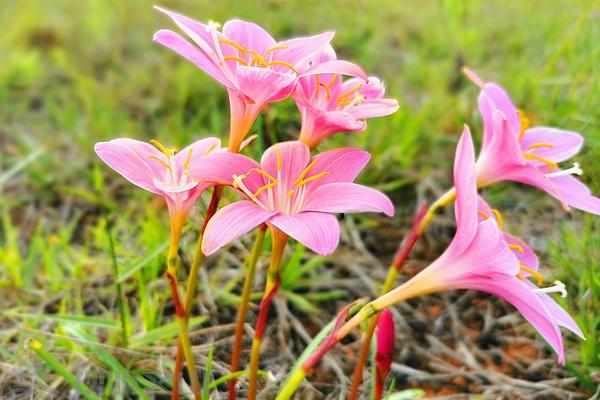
{"points": [[77, 72]]}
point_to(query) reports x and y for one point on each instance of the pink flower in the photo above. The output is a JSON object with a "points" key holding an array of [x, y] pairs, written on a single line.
{"points": [[160, 170], [513, 151], [484, 258], [329, 105], [290, 191], [255, 69]]}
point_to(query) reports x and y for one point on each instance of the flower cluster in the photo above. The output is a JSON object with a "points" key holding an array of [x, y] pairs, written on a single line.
{"points": [[294, 190]]}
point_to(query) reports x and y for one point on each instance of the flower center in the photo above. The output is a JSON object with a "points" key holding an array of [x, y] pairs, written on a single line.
{"points": [[278, 196], [251, 58], [172, 176]]}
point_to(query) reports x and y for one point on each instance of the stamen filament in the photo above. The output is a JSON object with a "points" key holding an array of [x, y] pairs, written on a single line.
{"points": [[498, 218], [332, 81], [550, 164], [483, 215], [260, 60], [305, 172], [538, 145], [161, 161], [263, 188], [285, 64], [278, 158], [327, 90], [536, 274], [317, 85], [166, 151], [211, 148], [275, 48], [186, 164], [312, 178], [234, 44], [263, 173], [236, 58], [350, 91], [524, 123]]}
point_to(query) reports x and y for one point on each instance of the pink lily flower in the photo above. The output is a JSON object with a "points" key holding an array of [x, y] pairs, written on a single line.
{"points": [[329, 105], [160, 170], [513, 151], [482, 257], [255, 69], [290, 191], [384, 355]]}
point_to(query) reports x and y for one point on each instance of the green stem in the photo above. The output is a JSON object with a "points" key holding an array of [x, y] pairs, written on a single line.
{"points": [[243, 310], [171, 275], [279, 240]]}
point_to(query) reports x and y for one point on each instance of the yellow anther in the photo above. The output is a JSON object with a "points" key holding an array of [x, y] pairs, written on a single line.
{"points": [[234, 44], [166, 151], [236, 58], [538, 145], [260, 60], [305, 172], [291, 193], [278, 158], [524, 123], [263, 188], [483, 215], [186, 164], [499, 219], [210, 149], [263, 173], [285, 64], [516, 247], [520, 276], [161, 161], [275, 48], [350, 91], [312, 178], [536, 274], [550, 164]]}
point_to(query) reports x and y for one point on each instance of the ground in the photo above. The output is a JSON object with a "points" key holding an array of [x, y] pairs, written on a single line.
{"points": [[77, 72]]}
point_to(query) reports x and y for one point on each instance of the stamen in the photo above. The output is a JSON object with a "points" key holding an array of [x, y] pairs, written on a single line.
{"points": [[498, 218], [538, 145], [558, 287], [306, 171], [263, 188], [285, 64], [291, 193], [236, 58], [350, 91], [524, 123], [327, 90], [516, 247], [520, 276], [536, 274], [275, 48], [263, 173], [166, 151], [234, 44], [211, 148], [483, 215], [317, 84], [260, 60], [278, 158], [312, 178], [574, 170], [186, 164], [332, 81], [161, 161], [237, 179], [550, 164]]}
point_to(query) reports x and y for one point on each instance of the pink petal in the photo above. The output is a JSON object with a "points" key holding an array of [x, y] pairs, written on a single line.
{"points": [[530, 175], [318, 231], [220, 168], [300, 50], [248, 35], [342, 165], [527, 257], [565, 144], [198, 149], [341, 67], [373, 89], [294, 158], [130, 158], [185, 49], [231, 222], [494, 98], [528, 303], [345, 197], [575, 194], [375, 108], [328, 123], [466, 192], [264, 85]]}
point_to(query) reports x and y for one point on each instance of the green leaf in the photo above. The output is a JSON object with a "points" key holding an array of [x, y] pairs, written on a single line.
{"points": [[162, 333], [132, 269]]}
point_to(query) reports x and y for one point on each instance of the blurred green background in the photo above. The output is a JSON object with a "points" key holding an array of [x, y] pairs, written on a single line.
{"points": [[76, 72]]}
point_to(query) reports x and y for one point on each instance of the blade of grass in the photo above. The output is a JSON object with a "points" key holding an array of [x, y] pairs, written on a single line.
{"points": [[143, 262], [60, 369], [121, 299]]}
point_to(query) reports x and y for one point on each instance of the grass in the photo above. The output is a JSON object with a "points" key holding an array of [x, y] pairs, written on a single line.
{"points": [[77, 72]]}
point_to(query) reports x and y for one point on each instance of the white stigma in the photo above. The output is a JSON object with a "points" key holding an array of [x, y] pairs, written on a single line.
{"points": [[558, 287], [212, 25], [574, 170]]}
